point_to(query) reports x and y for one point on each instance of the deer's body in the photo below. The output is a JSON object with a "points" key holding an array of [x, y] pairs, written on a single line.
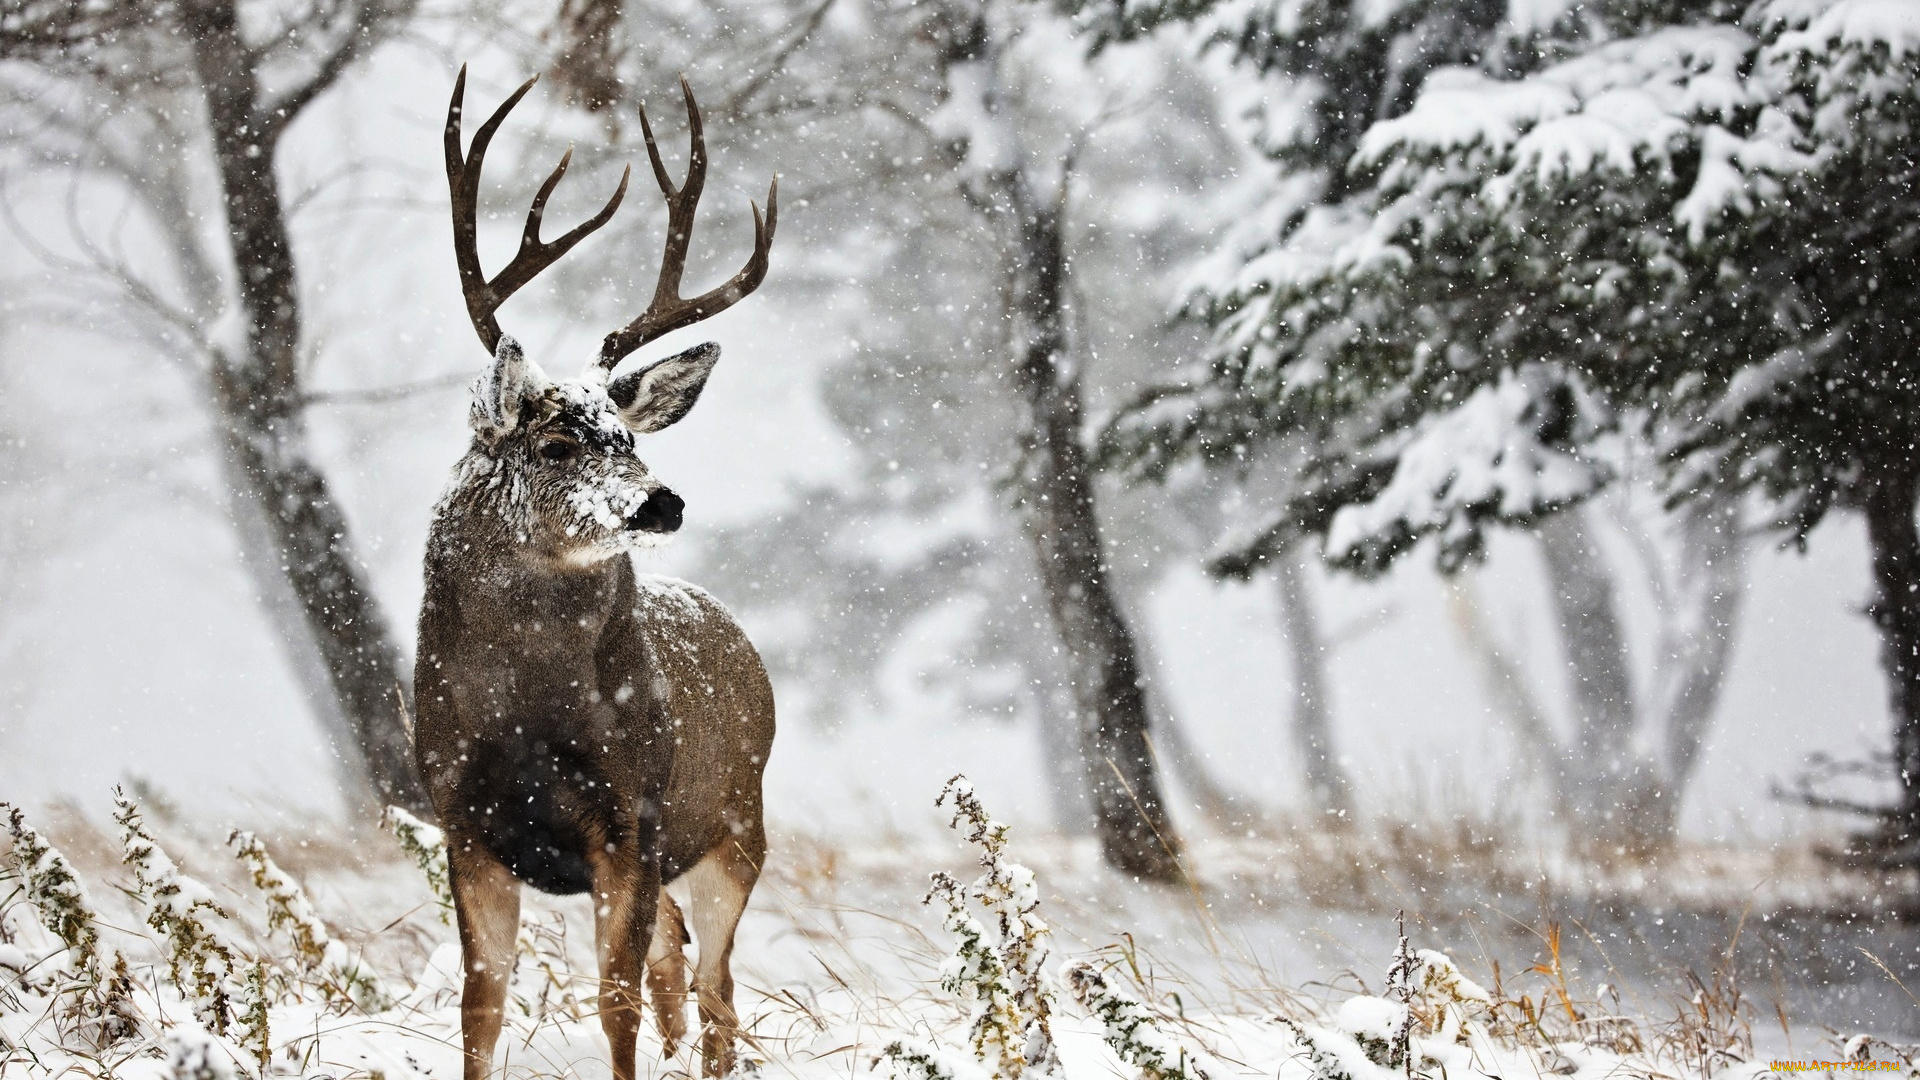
{"points": [[583, 728], [588, 723]]}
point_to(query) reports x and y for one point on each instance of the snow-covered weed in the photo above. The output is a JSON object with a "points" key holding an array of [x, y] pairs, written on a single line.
{"points": [[198, 998], [913, 1059], [94, 987], [55, 891], [426, 845], [996, 970], [339, 972], [1130, 1029], [201, 959]]}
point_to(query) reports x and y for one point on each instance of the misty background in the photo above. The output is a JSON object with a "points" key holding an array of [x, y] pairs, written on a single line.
{"points": [[844, 472]]}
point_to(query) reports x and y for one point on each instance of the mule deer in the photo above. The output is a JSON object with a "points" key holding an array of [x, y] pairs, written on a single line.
{"points": [[583, 728]]}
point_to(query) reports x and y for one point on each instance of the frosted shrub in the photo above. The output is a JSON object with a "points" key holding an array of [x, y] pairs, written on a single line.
{"points": [[100, 1010], [997, 969], [1130, 1029], [56, 894], [201, 961], [341, 974], [1373, 1036], [977, 974], [427, 846]]}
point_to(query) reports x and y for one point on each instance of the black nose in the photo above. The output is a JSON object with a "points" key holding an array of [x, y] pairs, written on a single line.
{"points": [[660, 513]]}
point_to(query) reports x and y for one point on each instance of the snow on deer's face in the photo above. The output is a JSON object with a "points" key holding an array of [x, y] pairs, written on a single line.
{"points": [[557, 462]]}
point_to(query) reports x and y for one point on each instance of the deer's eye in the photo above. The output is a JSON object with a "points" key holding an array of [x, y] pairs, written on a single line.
{"points": [[557, 450]]}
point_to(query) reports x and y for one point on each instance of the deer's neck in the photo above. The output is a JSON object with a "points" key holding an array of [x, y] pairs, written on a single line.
{"points": [[485, 597]]}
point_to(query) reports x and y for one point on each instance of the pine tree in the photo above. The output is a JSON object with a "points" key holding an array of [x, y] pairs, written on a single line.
{"points": [[1686, 225]]}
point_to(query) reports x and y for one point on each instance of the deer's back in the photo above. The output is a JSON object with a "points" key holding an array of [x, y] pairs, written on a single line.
{"points": [[721, 707]]}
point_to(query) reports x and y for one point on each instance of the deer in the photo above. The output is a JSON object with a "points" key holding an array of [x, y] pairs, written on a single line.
{"points": [[581, 727]]}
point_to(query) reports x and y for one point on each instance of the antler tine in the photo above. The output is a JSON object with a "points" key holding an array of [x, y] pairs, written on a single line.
{"points": [[485, 296], [668, 312]]}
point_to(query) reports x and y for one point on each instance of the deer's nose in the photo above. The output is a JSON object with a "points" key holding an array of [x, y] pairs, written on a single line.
{"points": [[659, 514]]}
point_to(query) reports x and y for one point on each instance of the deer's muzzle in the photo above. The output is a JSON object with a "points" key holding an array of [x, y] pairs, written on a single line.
{"points": [[661, 513]]}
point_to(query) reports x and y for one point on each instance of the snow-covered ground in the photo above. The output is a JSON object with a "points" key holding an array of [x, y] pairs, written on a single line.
{"points": [[839, 958]]}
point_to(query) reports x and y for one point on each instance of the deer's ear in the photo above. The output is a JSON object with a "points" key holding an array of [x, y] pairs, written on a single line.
{"points": [[661, 393], [499, 393]]}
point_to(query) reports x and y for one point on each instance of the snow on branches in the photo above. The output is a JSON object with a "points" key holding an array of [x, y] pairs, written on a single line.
{"points": [[1485, 460], [1652, 214]]}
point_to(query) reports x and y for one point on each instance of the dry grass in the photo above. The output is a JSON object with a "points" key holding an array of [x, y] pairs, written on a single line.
{"points": [[1286, 921]]}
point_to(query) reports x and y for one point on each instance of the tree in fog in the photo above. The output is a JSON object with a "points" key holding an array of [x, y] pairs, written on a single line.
{"points": [[1669, 227], [1622, 775], [1319, 74], [1329, 74], [1019, 187], [183, 106], [963, 384]]}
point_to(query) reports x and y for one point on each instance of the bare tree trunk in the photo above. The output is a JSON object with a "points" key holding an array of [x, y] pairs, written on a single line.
{"points": [[591, 35], [260, 557], [133, 52], [1327, 783], [1895, 545], [257, 395], [1131, 581], [1054, 480], [1057, 497], [164, 184], [1615, 786]]}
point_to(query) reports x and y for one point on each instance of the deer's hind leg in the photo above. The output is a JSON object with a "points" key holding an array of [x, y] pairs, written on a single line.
{"points": [[721, 883], [667, 974], [486, 901]]}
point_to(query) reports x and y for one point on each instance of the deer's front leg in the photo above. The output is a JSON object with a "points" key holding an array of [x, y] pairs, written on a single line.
{"points": [[486, 900], [626, 892]]}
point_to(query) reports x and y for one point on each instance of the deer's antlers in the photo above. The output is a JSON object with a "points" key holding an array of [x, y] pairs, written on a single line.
{"points": [[667, 312], [485, 296]]}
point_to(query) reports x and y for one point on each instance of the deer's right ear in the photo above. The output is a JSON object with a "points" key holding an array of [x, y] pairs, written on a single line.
{"points": [[498, 393]]}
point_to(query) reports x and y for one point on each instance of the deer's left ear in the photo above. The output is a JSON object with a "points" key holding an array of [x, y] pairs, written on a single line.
{"points": [[659, 394], [498, 394]]}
